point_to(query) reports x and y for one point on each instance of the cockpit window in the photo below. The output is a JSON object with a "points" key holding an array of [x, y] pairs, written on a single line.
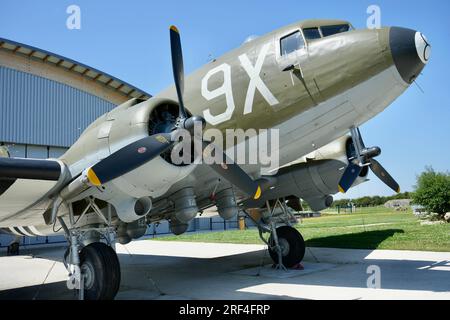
{"points": [[291, 43], [330, 30], [311, 33]]}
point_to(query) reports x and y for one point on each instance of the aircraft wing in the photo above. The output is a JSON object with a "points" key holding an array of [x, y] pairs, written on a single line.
{"points": [[28, 181], [33, 169]]}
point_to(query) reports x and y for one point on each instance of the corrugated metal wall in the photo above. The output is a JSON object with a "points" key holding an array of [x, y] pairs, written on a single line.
{"points": [[39, 111], [36, 152]]}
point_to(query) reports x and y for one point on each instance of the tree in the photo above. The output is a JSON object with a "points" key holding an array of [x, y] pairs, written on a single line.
{"points": [[433, 191]]}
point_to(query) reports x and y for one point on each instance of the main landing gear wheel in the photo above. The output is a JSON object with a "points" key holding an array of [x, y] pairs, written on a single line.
{"points": [[291, 244], [13, 249], [101, 271]]}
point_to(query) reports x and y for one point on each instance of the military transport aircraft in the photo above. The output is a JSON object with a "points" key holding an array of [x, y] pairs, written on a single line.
{"points": [[314, 81]]}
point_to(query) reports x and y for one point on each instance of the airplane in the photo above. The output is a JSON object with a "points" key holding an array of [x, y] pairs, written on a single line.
{"points": [[315, 82]]}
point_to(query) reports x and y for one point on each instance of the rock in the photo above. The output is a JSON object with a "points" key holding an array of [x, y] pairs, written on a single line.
{"points": [[447, 217], [431, 223]]}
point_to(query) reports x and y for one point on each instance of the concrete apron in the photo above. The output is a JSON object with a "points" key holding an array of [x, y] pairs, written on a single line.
{"points": [[180, 270]]}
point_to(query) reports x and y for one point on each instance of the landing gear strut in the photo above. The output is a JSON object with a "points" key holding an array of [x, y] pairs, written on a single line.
{"points": [[94, 269], [285, 243]]}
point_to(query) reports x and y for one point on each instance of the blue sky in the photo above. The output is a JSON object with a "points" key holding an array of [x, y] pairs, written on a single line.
{"points": [[129, 39]]}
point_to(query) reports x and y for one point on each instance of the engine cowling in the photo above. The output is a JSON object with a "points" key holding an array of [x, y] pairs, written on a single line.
{"points": [[130, 122], [315, 179]]}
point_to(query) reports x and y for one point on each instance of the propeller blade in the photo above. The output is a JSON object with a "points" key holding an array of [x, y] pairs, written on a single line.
{"points": [[383, 175], [129, 158], [178, 68], [233, 173], [361, 139], [349, 177]]}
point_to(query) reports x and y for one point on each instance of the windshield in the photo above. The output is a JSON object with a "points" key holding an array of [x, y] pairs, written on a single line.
{"points": [[291, 43], [311, 33], [330, 30]]}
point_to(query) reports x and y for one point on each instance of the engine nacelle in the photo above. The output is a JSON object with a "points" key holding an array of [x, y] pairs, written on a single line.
{"points": [[150, 117], [120, 127], [315, 181]]}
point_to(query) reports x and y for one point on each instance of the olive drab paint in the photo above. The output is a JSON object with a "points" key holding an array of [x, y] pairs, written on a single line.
{"points": [[256, 83]]}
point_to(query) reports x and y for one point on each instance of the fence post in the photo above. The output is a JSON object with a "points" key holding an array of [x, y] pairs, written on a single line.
{"points": [[241, 223]]}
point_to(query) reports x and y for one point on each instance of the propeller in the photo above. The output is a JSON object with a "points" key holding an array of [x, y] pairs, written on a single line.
{"points": [[364, 157], [383, 175], [229, 170], [232, 172], [129, 158], [144, 150], [178, 67], [349, 177]]}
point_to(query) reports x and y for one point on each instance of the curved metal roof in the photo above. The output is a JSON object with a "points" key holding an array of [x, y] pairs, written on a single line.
{"points": [[78, 68]]}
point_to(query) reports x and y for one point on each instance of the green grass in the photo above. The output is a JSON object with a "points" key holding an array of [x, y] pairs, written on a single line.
{"points": [[371, 228]]}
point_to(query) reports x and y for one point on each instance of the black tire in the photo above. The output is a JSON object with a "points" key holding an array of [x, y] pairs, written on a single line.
{"points": [[102, 264], [13, 249], [294, 253]]}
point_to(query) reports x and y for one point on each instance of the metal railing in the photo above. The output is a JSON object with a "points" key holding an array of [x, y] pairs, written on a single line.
{"points": [[200, 224]]}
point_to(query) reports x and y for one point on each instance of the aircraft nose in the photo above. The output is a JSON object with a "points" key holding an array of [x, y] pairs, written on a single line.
{"points": [[410, 51]]}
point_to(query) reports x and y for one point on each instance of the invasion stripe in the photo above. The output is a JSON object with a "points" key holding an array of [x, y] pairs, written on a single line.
{"points": [[35, 231], [17, 231], [22, 229]]}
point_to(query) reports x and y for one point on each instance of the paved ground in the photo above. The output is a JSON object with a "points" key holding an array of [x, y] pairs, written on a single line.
{"points": [[169, 270]]}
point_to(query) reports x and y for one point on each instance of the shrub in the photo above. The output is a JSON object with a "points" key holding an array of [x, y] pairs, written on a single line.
{"points": [[433, 191]]}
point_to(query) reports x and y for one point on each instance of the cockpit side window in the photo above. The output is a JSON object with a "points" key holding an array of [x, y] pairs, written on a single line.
{"points": [[291, 43], [311, 33], [330, 30]]}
